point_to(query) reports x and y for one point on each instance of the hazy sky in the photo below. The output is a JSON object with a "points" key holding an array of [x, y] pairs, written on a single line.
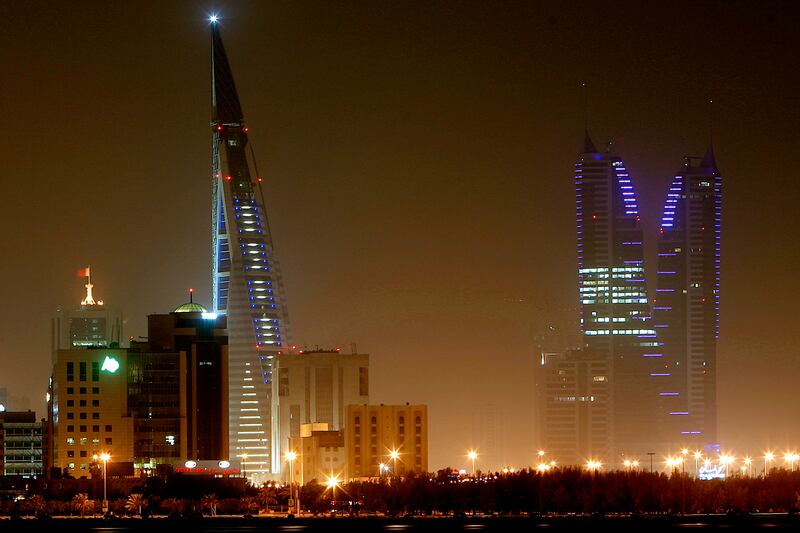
{"points": [[418, 160]]}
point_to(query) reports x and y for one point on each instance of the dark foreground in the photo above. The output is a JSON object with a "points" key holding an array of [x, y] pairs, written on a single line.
{"points": [[417, 524]]}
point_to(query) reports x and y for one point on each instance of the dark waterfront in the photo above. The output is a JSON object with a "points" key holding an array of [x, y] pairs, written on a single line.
{"points": [[579, 523]]}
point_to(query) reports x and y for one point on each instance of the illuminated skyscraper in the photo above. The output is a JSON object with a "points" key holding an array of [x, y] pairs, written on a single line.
{"points": [[247, 283], [686, 310], [614, 308]]}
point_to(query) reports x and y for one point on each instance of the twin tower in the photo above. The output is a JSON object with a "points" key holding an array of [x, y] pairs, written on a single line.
{"points": [[661, 353]]}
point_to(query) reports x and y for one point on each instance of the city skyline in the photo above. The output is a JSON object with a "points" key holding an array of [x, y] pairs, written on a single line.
{"points": [[391, 188]]}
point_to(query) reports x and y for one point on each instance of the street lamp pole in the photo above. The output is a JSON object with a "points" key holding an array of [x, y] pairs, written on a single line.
{"points": [[651, 454], [104, 457], [472, 455], [291, 456]]}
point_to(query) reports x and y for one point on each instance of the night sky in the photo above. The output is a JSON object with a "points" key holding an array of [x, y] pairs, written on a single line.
{"points": [[418, 160]]}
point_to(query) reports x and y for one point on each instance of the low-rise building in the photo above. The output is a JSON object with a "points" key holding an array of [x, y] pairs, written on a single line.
{"points": [[393, 435], [20, 444], [319, 454]]}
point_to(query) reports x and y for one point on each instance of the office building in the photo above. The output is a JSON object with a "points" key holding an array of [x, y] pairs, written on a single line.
{"points": [[89, 408], [246, 278], [573, 407], [320, 454], [178, 385], [92, 324], [615, 316], [687, 303], [20, 444], [315, 386], [373, 432]]}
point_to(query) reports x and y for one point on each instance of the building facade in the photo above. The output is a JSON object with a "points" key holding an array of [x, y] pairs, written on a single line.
{"points": [[321, 454], [246, 278], [615, 317], [373, 432], [316, 386], [21, 444], [198, 343], [686, 310], [89, 408], [573, 406]]}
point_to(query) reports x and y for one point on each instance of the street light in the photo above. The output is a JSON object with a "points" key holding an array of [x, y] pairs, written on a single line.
{"points": [[697, 456], [684, 455], [593, 465], [393, 455], [790, 458], [332, 483], [291, 456], [105, 457], [768, 457], [748, 463], [472, 455], [726, 460]]}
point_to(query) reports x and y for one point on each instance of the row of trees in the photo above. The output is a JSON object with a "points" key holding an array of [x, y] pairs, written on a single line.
{"points": [[562, 491]]}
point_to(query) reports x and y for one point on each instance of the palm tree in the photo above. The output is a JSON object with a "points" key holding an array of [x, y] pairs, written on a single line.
{"points": [[269, 495], [134, 503], [36, 504], [82, 504], [210, 502], [172, 506], [248, 505]]}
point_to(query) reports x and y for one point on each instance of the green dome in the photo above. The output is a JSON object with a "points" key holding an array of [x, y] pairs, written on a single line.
{"points": [[190, 307]]}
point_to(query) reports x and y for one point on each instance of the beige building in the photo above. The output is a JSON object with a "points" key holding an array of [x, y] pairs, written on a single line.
{"points": [[574, 407], [372, 432], [90, 408], [320, 454], [315, 386]]}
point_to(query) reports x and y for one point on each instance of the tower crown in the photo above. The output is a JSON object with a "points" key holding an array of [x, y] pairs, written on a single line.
{"points": [[224, 98]]}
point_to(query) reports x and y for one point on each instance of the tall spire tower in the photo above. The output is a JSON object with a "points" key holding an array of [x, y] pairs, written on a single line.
{"points": [[246, 278], [614, 309], [686, 311]]}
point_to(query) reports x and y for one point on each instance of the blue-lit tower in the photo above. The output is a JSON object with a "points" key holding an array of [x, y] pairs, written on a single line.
{"points": [[247, 283], [614, 308], [687, 303]]}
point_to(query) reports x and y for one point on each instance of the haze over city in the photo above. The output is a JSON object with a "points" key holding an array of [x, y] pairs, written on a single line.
{"points": [[418, 165]]}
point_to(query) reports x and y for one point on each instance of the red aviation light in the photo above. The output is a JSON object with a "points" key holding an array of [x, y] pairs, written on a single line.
{"points": [[259, 180], [228, 178], [219, 127], [338, 350], [245, 129]]}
